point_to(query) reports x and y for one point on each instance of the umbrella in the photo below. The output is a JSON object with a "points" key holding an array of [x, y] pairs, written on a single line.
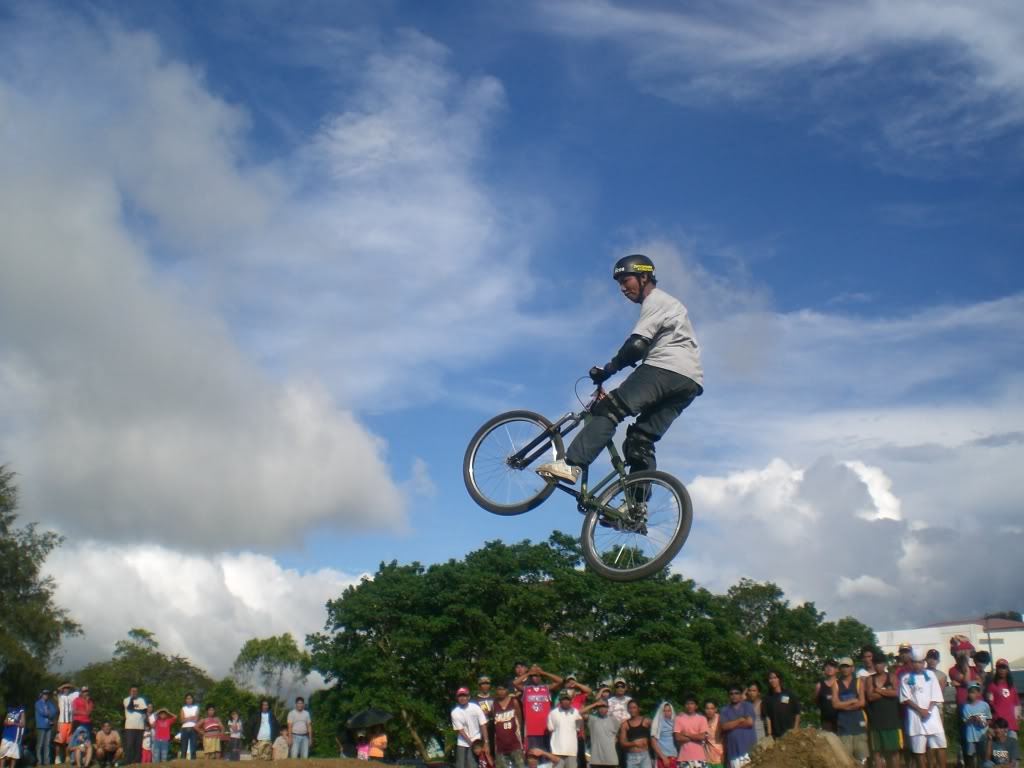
{"points": [[368, 717]]}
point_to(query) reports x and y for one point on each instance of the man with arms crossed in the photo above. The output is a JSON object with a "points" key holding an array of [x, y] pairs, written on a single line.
{"points": [[920, 691]]}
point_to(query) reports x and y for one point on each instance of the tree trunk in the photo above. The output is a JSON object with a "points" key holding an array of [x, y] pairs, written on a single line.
{"points": [[420, 747]]}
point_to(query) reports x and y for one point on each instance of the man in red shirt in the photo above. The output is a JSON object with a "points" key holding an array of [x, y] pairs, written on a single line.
{"points": [[81, 709], [508, 729], [537, 704]]}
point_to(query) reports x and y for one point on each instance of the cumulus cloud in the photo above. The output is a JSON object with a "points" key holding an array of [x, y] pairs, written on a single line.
{"points": [[954, 67], [200, 607]]}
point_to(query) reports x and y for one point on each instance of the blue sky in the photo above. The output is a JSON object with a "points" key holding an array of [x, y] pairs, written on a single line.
{"points": [[271, 264]]}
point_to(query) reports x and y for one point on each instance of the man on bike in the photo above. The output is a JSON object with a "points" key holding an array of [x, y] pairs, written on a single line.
{"points": [[669, 377]]}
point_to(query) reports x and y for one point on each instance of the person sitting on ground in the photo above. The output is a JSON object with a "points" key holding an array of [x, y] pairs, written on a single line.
{"points": [[1002, 750], [80, 747], [109, 749], [975, 716], [281, 747], [378, 741]]}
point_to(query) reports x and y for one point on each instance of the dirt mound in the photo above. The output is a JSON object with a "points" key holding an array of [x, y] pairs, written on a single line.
{"points": [[807, 748]]}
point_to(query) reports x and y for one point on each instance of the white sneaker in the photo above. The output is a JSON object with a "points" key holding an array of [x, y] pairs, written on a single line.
{"points": [[559, 470]]}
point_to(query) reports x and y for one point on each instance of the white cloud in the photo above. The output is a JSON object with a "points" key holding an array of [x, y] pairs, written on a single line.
{"points": [[954, 67], [421, 483], [864, 586], [200, 607]]}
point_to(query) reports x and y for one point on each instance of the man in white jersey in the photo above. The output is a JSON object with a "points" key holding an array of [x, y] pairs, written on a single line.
{"points": [[67, 694], [920, 692], [669, 378]]}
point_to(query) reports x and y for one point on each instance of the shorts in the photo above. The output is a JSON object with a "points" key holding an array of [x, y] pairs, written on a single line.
{"points": [[739, 762], [887, 741], [667, 762], [10, 749], [920, 744], [856, 745], [63, 733]]}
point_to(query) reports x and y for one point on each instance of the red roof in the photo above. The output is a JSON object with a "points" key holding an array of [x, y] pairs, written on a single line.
{"points": [[990, 623]]}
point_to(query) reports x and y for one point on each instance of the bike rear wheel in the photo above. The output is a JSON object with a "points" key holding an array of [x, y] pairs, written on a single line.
{"points": [[659, 520], [498, 475]]}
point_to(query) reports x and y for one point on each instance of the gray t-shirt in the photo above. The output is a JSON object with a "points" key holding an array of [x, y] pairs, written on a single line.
{"points": [[665, 321], [299, 721], [604, 731]]}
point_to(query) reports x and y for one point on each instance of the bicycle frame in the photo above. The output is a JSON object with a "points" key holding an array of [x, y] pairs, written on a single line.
{"points": [[586, 498]]}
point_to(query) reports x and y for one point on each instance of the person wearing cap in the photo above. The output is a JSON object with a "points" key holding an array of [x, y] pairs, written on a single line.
{"points": [[46, 717], [484, 699], [469, 723], [782, 708], [508, 728], [882, 694], [737, 723], [691, 732], [618, 702], [604, 733], [563, 724], [669, 377], [920, 691], [848, 700], [975, 716], [1001, 695], [580, 694], [1002, 750], [962, 673], [823, 695], [66, 694], [904, 664], [537, 703]]}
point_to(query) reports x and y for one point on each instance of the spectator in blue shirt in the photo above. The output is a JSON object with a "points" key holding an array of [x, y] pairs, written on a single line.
{"points": [[46, 716], [975, 715]]}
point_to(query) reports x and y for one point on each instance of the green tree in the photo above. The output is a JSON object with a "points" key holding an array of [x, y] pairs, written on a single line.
{"points": [[32, 625], [275, 666]]}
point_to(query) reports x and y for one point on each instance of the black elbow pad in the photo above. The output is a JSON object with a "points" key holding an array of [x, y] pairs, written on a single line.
{"points": [[632, 351]]}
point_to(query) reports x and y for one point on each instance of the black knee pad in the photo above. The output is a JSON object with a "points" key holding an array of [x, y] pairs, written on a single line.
{"points": [[638, 449], [611, 408]]}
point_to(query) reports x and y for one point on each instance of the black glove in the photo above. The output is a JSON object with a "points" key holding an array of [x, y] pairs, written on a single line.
{"points": [[600, 375]]}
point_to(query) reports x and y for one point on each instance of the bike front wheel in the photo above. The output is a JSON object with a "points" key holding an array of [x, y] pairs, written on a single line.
{"points": [[656, 519], [500, 463]]}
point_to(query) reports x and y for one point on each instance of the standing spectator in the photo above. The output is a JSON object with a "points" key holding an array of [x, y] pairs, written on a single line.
{"points": [[279, 749], [737, 723], [563, 723], [508, 729], [781, 708], [81, 709], [236, 734], [300, 730], [867, 662], [147, 743], [134, 725], [485, 700], [754, 697], [80, 747], [823, 690], [189, 716], [920, 691], [962, 673], [714, 751], [13, 733], [881, 691], [604, 734], [1002, 750], [981, 661], [262, 731], [1002, 696], [537, 704], [848, 699], [161, 722], [580, 694], [470, 723], [975, 716], [904, 665], [635, 738], [691, 733], [46, 717], [109, 748], [66, 695], [932, 660], [618, 702], [662, 739], [210, 729]]}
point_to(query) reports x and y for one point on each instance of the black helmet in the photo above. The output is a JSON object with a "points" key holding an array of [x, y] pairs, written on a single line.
{"points": [[637, 264]]}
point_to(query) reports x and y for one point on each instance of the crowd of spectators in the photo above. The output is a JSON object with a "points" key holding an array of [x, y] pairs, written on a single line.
{"points": [[885, 712], [65, 732]]}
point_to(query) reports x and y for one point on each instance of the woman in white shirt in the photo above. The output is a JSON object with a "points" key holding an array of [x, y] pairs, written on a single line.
{"points": [[189, 739]]}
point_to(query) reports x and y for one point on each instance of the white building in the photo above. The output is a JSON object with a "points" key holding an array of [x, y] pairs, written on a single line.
{"points": [[1003, 638]]}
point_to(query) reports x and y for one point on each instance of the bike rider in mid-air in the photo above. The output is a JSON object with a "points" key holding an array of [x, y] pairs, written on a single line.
{"points": [[669, 378]]}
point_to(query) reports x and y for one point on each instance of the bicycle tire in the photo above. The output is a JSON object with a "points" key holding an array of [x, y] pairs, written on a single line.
{"points": [[535, 490], [592, 549]]}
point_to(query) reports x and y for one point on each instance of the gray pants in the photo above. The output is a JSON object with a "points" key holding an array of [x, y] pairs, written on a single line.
{"points": [[656, 397], [43, 738], [464, 757]]}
